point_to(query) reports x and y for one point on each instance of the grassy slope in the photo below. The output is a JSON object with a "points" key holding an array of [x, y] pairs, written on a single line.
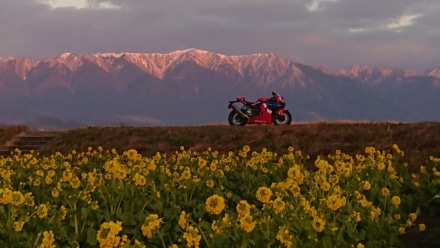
{"points": [[8, 132], [417, 140]]}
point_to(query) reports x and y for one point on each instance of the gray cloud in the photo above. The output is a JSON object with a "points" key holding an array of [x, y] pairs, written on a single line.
{"points": [[399, 34]]}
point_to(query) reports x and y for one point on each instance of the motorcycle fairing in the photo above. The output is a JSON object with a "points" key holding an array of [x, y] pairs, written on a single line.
{"points": [[264, 118]]}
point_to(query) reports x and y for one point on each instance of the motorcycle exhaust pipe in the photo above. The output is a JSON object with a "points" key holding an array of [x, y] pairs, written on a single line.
{"points": [[239, 111]]}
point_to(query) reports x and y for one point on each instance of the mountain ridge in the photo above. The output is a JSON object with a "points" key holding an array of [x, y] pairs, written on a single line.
{"points": [[192, 86]]}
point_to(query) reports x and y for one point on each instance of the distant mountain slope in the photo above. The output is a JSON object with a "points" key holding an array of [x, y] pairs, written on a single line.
{"points": [[192, 87]]}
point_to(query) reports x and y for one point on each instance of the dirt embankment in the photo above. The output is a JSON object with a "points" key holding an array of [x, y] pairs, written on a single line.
{"points": [[417, 140]]}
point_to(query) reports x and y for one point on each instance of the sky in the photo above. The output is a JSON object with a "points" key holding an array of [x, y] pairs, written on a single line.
{"points": [[395, 34]]}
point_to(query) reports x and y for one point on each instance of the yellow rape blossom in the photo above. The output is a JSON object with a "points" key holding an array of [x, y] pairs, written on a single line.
{"points": [[264, 194], [412, 216], [335, 202], [48, 180], [186, 174], [55, 193], [192, 237], [29, 199], [374, 213], [360, 245], [17, 198], [325, 186], [284, 237], [366, 185], [63, 212], [5, 196], [18, 225], [39, 173], [243, 208], [202, 163], [247, 223], [139, 180], [246, 148], [152, 166], [395, 200], [370, 150], [152, 223], [401, 230], [67, 175], [107, 234], [296, 174], [217, 226], [75, 182], [381, 166], [385, 192], [215, 204], [278, 205], [42, 211], [318, 224], [48, 240], [356, 216], [182, 220], [213, 165], [210, 183], [333, 179]]}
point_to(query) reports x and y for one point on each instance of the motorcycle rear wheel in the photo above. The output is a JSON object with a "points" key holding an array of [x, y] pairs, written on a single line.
{"points": [[284, 119], [235, 119]]}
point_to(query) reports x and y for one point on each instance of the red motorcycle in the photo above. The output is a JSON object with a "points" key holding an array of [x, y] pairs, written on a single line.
{"points": [[262, 111]]}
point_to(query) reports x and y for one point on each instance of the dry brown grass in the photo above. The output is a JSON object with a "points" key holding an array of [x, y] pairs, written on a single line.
{"points": [[8, 132], [417, 140]]}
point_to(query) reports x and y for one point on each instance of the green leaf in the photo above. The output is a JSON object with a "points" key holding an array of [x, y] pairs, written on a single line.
{"points": [[156, 205], [352, 233], [327, 241], [84, 213], [221, 241], [171, 213], [128, 219], [362, 234], [205, 226], [74, 244], [91, 236]]}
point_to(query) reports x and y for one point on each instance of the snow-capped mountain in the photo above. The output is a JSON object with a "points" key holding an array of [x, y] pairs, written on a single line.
{"points": [[190, 87]]}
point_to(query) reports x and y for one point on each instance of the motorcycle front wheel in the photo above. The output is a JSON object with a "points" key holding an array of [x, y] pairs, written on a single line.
{"points": [[284, 119], [235, 119]]}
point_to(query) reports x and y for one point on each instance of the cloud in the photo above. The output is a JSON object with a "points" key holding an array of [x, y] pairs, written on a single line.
{"points": [[317, 5], [80, 4], [333, 33], [396, 24], [403, 21]]}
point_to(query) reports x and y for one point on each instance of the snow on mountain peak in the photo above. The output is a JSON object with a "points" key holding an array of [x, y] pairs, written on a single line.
{"points": [[434, 72], [65, 55], [109, 55], [70, 60], [157, 64], [6, 59], [20, 65], [269, 65], [355, 71]]}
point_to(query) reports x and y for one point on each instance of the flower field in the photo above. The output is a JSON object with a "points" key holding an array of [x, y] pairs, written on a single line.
{"points": [[100, 198]]}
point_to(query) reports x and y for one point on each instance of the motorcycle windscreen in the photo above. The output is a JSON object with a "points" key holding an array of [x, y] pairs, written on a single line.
{"points": [[274, 105]]}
